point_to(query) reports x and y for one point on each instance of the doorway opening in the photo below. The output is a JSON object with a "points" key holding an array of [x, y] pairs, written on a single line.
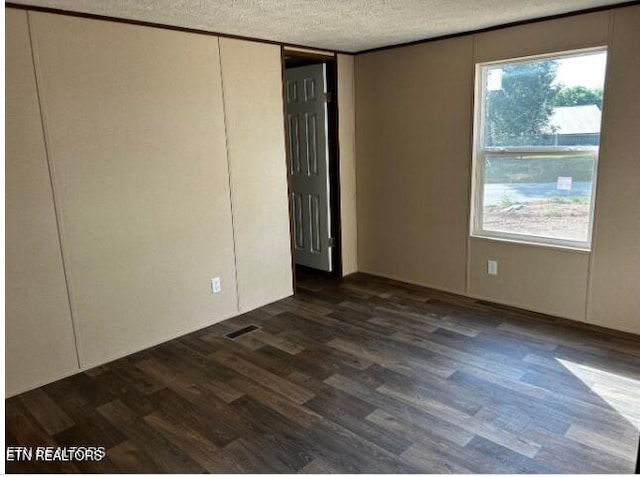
{"points": [[311, 128]]}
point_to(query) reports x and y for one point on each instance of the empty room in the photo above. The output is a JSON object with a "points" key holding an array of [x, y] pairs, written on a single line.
{"points": [[291, 236]]}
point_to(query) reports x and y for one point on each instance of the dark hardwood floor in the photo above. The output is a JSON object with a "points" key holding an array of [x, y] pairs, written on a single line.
{"points": [[356, 375]]}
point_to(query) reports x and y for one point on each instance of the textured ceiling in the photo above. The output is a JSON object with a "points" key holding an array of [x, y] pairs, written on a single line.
{"points": [[344, 25]]}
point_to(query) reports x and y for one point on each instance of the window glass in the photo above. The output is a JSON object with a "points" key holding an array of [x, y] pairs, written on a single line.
{"points": [[536, 147]]}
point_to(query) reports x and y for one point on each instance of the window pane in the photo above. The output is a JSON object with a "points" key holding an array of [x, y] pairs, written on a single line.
{"points": [[551, 102], [543, 196]]}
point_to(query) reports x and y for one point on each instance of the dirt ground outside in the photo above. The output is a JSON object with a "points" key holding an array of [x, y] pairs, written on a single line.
{"points": [[544, 218]]}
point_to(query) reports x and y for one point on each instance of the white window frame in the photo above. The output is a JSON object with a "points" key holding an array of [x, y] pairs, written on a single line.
{"points": [[479, 154]]}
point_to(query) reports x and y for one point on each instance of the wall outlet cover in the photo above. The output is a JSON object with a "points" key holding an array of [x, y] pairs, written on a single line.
{"points": [[492, 267]]}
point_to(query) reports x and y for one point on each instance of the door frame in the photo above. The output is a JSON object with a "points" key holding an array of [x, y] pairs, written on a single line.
{"points": [[331, 60]]}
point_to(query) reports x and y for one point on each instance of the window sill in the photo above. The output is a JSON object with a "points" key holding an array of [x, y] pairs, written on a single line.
{"points": [[531, 243]]}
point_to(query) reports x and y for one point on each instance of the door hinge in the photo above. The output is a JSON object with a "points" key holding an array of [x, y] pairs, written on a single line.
{"points": [[332, 242], [328, 97]]}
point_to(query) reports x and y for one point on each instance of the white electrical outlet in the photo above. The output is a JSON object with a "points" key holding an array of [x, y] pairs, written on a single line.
{"points": [[216, 287], [492, 267]]}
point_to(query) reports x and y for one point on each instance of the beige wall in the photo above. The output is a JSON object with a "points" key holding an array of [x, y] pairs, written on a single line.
{"points": [[414, 119], [137, 128], [538, 278], [580, 31], [167, 159], [38, 329], [413, 159], [136, 137], [346, 140], [252, 84], [548, 280], [615, 270]]}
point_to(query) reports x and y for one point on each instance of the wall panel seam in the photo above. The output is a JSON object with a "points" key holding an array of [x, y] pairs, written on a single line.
{"points": [[603, 146], [470, 193], [355, 164], [57, 208], [226, 138]]}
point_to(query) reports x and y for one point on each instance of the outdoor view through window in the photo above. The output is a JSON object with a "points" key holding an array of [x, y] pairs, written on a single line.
{"points": [[537, 138]]}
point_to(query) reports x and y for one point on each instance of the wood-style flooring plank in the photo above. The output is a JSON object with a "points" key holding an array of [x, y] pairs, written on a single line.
{"points": [[168, 457], [191, 442], [46, 411], [355, 375], [270, 381], [129, 459]]}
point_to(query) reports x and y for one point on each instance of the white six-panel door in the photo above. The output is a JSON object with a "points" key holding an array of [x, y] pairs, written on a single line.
{"points": [[306, 94]]}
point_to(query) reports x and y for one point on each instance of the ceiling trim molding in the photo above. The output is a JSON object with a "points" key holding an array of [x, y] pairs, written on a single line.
{"points": [[504, 25], [94, 16]]}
